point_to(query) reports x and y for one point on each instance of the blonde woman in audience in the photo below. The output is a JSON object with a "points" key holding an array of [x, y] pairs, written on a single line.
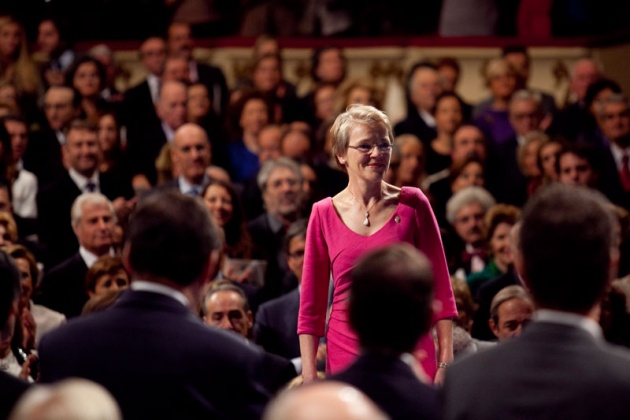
{"points": [[358, 91], [409, 160]]}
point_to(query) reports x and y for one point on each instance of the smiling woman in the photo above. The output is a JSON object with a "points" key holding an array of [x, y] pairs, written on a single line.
{"points": [[372, 213]]}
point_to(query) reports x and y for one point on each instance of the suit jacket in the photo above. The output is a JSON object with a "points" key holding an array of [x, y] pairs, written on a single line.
{"points": [[275, 328], [159, 361], [414, 124], [268, 245], [53, 211], [63, 287], [143, 147], [551, 371], [11, 389], [392, 385], [506, 182], [138, 105], [43, 157]]}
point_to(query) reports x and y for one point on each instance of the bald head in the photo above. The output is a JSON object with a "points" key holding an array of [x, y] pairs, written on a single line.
{"points": [[190, 152], [171, 105], [323, 400]]}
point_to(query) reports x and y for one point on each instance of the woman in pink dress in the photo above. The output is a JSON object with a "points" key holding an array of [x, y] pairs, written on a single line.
{"points": [[368, 213]]}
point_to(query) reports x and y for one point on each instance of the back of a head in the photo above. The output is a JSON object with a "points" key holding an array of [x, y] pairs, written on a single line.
{"points": [[390, 298], [171, 236], [70, 399], [323, 400], [566, 243]]}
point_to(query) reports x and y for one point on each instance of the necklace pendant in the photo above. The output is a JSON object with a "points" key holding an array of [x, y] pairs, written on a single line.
{"points": [[366, 222]]}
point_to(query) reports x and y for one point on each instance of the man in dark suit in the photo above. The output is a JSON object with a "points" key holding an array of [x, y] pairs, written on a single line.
{"points": [[390, 308], [81, 151], [423, 87], [63, 287], [145, 145], [180, 41], [280, 181], [275, 327], [140, 100], [11, 388], [43, 155], [560, 366], [190, 154], [149, 349]]}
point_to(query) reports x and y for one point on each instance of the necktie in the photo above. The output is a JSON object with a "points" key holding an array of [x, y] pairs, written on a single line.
{"points": [[90, 186], [624, 174]]}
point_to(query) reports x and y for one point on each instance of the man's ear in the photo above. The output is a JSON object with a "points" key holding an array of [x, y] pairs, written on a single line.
{"points": [[250, 319]]}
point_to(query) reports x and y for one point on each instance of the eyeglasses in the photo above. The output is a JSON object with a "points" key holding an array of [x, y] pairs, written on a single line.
{"points": [[365, 148]]}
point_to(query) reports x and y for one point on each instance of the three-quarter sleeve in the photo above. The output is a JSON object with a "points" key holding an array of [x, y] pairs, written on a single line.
{"points": [[315, 278], [429, 241]]}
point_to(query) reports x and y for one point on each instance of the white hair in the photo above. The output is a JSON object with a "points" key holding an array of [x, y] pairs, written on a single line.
{"points": [[465, 197], [76, 213]]}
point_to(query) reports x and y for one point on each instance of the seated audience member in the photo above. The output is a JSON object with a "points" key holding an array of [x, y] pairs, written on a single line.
{"points": [[275, 327], [63, 286], [498, 222], [399, 278], [106, 274], [54, 202], [527, 159], [23, 182], [614, 319], [448, 115], [101, 302], [113, 156], [190, 154], [510, 311], [450, 72], [323, 400], [464, 243], [486, 291], [70, 399], [567, 238], [280, 181], [145, 144], [10, 386], [357, 91], [248, 116], [224, 205], [45, 319], [225, 306], [173, 248], [546, 160], [8, 229], [409, 160], [87, 76]]}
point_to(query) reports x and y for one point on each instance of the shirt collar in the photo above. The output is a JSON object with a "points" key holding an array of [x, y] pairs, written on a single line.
{"points": [[82, 181], [147, 286], [168, 132], [618, 153], [154, 86], [568, 318], [185, 186], [275, 224], [90, 258], [427, 118]]}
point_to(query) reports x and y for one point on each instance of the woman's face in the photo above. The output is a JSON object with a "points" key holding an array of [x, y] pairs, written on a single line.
{"points": [[108, 282], [254, 116], [370, 166], [198, 101], [500, 244], [472, 174], [411, 164], [324, 100], [10, 38], [218, 201], [448, 115], [267, 75], [530, 159], [359, 95], [107, 133], [87, 80], [503, 85], [24, 268], [548, 155], [47, 37]]}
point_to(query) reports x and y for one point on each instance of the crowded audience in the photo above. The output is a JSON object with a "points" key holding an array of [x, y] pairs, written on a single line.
{"points": [[193, 247]]}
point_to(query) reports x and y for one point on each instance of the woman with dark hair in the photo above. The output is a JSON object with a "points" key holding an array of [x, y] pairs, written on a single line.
{"points": [[87, 76], [56, 49], [221, 199], [109, 138]]}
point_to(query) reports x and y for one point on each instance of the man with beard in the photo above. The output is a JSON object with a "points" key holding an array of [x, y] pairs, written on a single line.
{"points": [[280, 181]]}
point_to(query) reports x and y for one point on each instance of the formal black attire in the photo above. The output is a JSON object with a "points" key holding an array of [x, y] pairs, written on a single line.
{"points": [[414, 124], [214, 79], [63, 287], [159, 361], [11, 389], [53, 209], [485, 293], [505, 181], [552, 370], [392, 385], [275, 327], [143, 147], [43, 157]]}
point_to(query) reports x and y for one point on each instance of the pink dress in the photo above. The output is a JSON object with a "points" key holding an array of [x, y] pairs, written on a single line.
{"points": [[332, 247]]}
